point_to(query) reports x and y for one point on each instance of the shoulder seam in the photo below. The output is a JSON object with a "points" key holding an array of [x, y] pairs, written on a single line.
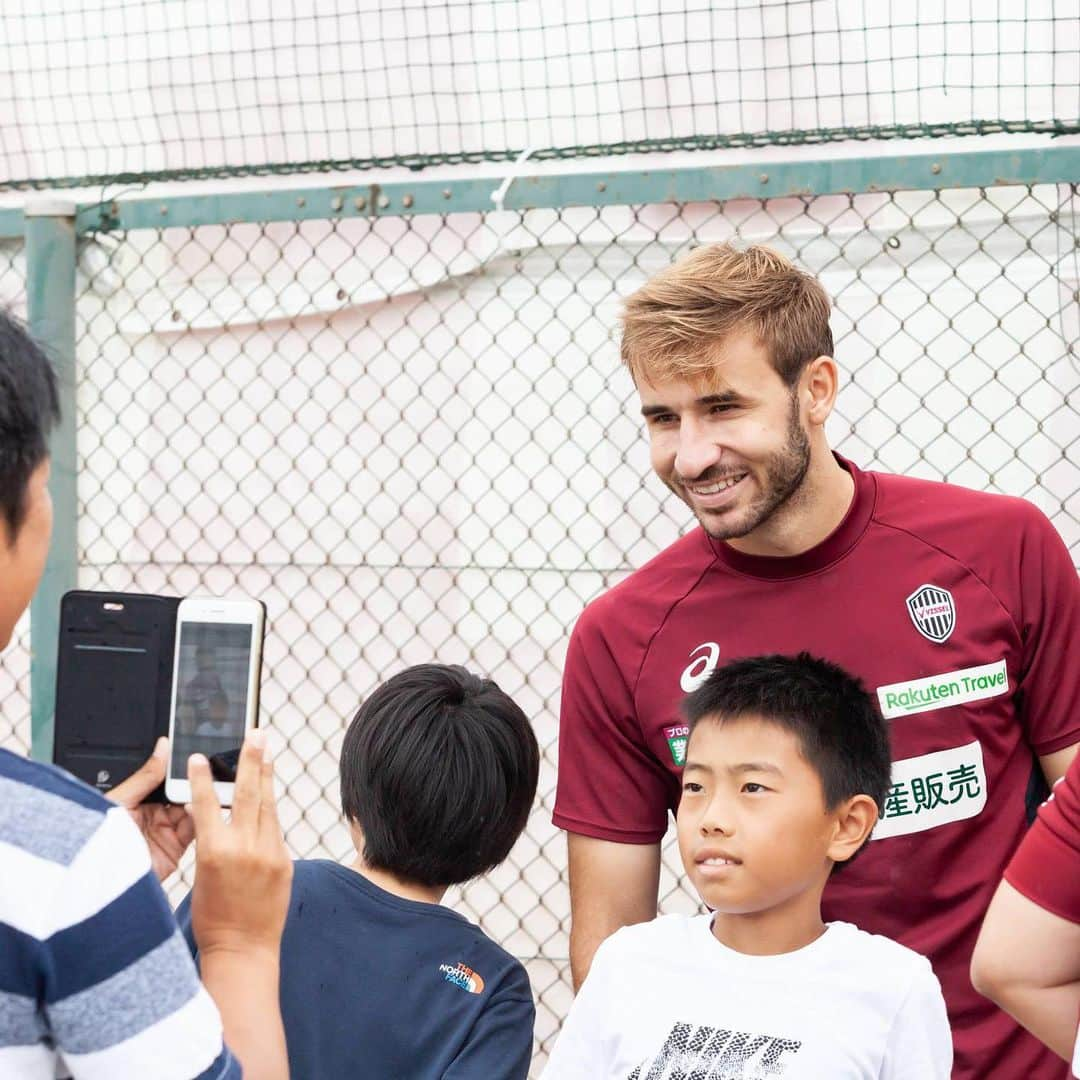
{"points": [[667, 615], [960, 562]]}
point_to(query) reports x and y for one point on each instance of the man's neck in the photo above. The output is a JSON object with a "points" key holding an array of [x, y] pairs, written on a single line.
{"points": [[809, 516], [391, 883]]}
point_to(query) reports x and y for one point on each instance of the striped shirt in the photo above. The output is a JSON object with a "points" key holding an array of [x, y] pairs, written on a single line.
{"points": [[95, 979]]}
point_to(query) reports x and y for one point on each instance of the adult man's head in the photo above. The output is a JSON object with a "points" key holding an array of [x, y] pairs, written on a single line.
{"points": [[29, 406], [731, 353]]}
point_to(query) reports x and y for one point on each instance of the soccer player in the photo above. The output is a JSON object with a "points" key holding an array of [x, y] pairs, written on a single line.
{"points": [[787, 768], [960, 610], [95, 979]]}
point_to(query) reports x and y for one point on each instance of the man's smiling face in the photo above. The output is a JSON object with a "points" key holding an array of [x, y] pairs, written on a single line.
{"points": [[734, 447]]}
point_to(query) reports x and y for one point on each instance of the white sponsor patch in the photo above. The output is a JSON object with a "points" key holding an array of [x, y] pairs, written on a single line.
{"points": [[934, 789], [941, 691]]}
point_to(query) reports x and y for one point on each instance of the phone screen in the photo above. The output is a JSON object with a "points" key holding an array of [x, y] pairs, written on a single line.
{"points": [[212, 673]]}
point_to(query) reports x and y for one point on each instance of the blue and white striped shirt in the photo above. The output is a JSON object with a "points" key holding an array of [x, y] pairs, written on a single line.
{"points": [[95, 979]]}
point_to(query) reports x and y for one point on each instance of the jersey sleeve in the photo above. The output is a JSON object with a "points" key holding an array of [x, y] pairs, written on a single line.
{"points": [[1046, 866], [122, 997], [501, 1041], [1048, 609], [610, 784], [920, 1041]]}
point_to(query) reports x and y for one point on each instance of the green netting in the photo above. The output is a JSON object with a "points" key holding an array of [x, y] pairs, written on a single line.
{"points": [[104, 91]]}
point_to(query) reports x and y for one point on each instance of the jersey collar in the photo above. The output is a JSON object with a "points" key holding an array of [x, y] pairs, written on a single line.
{"points": [[838, 543]]}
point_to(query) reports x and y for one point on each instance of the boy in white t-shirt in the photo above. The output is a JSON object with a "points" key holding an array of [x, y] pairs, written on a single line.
{"points": [[787, 768]]}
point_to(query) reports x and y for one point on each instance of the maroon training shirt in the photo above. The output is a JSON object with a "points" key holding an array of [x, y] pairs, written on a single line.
{"points": [[959, 609]]}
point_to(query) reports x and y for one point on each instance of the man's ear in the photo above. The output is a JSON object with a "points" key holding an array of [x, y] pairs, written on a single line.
{"points": [[821, 381], [854, 818]]}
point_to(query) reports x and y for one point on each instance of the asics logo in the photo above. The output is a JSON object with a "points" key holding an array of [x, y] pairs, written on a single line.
{"points": [[702, 662]]}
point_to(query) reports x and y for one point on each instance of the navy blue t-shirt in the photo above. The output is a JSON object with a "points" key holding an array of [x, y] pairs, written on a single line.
{"points": [[373, 985]]}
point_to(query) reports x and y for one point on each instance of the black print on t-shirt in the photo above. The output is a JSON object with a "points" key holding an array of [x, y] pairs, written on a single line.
{"points": [[708, 1053]]}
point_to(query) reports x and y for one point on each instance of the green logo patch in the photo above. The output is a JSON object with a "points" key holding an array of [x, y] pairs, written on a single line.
{"points": [[676, 739]]}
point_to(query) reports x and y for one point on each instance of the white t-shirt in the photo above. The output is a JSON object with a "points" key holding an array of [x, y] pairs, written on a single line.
{"points": [[665, 999]]}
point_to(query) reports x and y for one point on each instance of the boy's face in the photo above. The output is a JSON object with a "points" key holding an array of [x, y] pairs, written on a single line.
{"points": [[754, 831]]}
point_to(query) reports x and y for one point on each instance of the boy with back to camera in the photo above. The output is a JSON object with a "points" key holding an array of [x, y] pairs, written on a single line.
{"points": [[787, 767], [438, 772]]}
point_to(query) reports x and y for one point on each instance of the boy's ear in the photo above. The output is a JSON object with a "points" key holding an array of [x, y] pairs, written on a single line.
{"points": [[855, 817]]}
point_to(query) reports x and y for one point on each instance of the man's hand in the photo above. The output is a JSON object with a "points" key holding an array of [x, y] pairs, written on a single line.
{"points": [[168, 830], [243, 872]]}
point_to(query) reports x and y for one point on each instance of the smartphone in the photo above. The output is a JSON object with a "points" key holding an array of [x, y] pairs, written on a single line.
{"points": [[215, 689], [113, 681]]}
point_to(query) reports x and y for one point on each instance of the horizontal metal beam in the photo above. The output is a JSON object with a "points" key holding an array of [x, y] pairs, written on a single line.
{"points": [[770, 179]]}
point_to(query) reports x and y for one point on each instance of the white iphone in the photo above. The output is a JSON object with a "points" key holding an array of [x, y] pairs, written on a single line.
{"points": [[215, 692]]}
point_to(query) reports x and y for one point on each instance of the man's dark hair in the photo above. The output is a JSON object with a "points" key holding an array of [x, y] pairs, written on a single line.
{"points": [[439, 769], [29, 406], [840, 731]]}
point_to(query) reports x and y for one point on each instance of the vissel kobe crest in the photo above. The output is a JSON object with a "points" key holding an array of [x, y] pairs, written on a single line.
{"points": [[933, 612]]}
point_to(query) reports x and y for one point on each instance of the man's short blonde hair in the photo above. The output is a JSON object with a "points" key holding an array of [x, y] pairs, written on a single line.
{"points": [[673, 323]]}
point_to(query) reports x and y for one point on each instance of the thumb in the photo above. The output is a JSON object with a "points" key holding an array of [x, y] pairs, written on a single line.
{"points": [[143, 781]]}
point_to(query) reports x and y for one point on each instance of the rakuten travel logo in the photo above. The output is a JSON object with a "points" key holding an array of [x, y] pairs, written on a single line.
{"points": [[703, 660]]}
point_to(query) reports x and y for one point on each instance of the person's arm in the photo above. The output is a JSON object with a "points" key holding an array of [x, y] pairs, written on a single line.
{"points": [[500, 1044], [613, 793], [1027, 961], [243, 877], [122, 997], [1056, 765], [1027, 957], [611, 886], [920, 1041]]}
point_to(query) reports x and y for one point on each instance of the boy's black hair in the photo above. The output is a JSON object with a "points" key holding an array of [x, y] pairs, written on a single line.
{"points": [[839, 729], [439, 769], [29, 406]]}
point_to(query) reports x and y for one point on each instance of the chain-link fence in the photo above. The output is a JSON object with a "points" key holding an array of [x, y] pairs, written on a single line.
{"points": [[15, 661], [123, 91], [411, 437]]}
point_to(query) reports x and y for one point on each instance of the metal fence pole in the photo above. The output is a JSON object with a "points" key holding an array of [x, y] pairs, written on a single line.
{"points": [[50, 273]]}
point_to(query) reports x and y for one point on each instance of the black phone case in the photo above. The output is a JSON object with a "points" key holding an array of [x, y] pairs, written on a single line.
{"points": [[113, 683]]}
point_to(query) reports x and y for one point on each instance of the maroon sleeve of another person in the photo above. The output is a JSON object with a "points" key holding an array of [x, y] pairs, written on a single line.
{"points": [[1046, 866]]}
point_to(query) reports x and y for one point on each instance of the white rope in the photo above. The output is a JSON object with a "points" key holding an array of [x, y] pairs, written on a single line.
{"points": [[498, 197]]}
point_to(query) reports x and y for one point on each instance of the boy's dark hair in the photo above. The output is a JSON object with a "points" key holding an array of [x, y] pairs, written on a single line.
{"points": [[439, 769], [839, 729], [29, 406]]}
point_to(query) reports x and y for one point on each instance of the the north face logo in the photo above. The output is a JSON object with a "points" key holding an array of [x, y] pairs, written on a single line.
{"points": [[461, 975], [933, 612]]}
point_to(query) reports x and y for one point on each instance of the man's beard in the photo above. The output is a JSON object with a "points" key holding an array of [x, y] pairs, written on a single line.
{"points": [[785, 471]]}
